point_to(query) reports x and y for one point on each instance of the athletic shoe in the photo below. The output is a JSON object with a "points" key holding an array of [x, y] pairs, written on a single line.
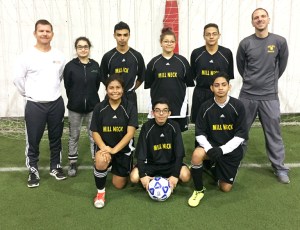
{"points": [[283, 177], [195, 198], [58, 173], [33, 179], [72, 171], [99, 200]]}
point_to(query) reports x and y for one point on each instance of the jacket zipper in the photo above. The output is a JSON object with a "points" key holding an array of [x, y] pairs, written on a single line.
{"points": [[85, 81]]}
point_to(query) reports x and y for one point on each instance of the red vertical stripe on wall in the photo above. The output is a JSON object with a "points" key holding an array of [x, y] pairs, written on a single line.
{"points": [[171, 19]]}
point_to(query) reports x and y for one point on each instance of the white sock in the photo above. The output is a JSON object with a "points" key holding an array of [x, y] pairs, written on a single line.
{"points": [[101, 190]]}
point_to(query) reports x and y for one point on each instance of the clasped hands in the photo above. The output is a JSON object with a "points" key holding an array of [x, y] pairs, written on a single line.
{"points": [[214, 153], [105, 154]]}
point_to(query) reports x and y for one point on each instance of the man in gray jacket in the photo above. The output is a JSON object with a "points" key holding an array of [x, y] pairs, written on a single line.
{"points": [[261, 60]]}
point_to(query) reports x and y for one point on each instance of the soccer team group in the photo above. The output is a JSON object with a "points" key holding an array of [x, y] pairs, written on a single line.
{"points": [[221, 122]]}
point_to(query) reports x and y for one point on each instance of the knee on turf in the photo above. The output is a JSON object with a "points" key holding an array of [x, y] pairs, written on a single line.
{"points": [[225, 187], [119, 182], [134, 176], [185, 174]]}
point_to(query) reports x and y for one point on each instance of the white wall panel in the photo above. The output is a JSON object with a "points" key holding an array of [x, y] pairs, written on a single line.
{"points": [[229, 29], [95, 19]]}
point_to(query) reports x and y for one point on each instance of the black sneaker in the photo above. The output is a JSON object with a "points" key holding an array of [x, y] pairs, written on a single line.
{"points": [[72, 171], [58, 173], [33, 179]]}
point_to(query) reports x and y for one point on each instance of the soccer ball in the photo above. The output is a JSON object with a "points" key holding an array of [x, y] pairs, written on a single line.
{"points": [[159, 189]]}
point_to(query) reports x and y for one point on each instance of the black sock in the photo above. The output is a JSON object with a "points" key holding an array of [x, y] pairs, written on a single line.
{"points": [[197, 171], [100, 178]]}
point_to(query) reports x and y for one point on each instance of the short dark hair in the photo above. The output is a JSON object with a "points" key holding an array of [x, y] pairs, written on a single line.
{"points": [[161, 100], [257, 10], [83, 39], [219, 74], [115, 77], [42, 22], [210, 25], [121, 26]]}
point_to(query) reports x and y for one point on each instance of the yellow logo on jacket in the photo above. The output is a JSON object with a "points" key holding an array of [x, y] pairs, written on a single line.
{"points": [[162, 146], [271, 48], [112, 129], [122, 70], [217, 127], [167, 75]]}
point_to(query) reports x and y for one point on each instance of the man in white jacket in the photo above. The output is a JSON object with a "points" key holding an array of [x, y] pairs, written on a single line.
{"points": [[38, 75]]}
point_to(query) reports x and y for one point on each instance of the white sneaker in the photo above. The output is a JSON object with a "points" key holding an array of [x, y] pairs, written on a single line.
{"points": [[99, 200]]}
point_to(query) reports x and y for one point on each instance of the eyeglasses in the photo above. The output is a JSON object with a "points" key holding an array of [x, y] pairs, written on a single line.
{"points": [[215, 34], [83, 47], [159, 111], [169, 42]]}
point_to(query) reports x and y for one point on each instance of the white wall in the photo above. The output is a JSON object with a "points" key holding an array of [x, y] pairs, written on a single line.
{"points": [[96, 19]]}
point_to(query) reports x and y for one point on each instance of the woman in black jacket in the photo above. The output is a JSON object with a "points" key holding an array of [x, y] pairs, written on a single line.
{"points": [[82, 82]]}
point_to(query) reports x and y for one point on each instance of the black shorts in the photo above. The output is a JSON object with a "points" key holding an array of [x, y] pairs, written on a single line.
{"points": [[200, 95], [121, 164], [227, 165], [183, 123], [164, 170]]}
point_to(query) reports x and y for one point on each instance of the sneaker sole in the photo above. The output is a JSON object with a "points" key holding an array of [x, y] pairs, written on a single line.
{"points": [[283, 181], [72, 174], [33, 185], [99, 204], [57, 178], [195, 205]]}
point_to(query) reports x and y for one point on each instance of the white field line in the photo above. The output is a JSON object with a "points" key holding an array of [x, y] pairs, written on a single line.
{"points": [[253, 165], [86, 167], [18, 169]]}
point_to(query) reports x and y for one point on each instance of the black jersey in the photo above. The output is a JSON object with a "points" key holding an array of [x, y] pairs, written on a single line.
{"points": [[112, 124], [219, 125], [169, 78], [204, 64], [130, 65], [160, 145]]}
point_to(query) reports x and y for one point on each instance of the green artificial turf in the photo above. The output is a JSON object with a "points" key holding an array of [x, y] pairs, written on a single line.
{"points": [[257, 200]]}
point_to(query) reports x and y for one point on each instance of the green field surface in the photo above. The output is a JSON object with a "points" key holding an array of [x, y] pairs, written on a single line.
{"points": [[257, 200]]}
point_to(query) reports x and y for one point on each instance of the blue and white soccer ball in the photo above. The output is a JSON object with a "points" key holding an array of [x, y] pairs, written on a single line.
{"points": [[159, 189]]}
